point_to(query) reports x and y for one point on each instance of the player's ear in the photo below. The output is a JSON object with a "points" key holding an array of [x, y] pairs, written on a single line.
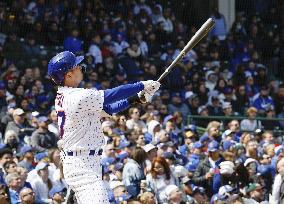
{"points": [[68, 75]]}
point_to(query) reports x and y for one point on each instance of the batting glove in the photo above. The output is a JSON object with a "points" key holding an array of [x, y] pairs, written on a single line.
{"points": [[150, 87]]}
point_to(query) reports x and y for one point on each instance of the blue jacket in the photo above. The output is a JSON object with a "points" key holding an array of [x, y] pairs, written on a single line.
{"points": [[262, 103], [73, 44], [115, 99], [132, 175]]}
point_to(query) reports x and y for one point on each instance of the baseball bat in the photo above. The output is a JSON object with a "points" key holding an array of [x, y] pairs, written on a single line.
{"points": [[199, 35]]}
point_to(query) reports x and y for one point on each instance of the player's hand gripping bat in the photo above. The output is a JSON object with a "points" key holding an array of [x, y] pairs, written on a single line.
{"points": [[199, 35]]}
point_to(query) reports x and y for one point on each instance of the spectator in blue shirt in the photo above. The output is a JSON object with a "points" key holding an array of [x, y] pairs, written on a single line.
{"points": [[263, 100], [72, 43]]}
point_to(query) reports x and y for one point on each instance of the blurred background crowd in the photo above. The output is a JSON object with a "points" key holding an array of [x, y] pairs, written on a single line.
{"points": [[154, 153]]}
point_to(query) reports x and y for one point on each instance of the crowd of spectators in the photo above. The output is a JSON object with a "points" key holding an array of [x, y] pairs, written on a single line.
{"points": [[152, 154]]}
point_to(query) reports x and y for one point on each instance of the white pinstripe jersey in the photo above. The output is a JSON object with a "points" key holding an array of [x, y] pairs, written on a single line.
{"points": [[78, 111]]}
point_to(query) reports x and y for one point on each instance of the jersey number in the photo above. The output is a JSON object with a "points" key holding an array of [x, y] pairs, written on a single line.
{"points": [[61, 122]]}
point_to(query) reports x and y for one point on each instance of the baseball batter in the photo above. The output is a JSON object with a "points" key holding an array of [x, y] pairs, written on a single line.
{"points": [[79, 111]]}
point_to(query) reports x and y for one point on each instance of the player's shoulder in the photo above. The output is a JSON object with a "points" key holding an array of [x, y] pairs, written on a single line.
{"points": [[79, 92], [66, 90]]}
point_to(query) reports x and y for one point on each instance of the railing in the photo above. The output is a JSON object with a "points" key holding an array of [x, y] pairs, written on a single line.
{"points": [[278, 132]]}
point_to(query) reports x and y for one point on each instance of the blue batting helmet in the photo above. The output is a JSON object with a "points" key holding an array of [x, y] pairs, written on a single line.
{"points": [[60, 64]]}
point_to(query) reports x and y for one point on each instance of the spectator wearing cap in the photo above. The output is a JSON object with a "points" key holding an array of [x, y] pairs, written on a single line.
{"points": [[18, 124], [122, 156], [206, 173], [118, 189], [263, 100], [227, 111], [57, 195], [170, 158], [270, 114], [225, 192], [151, 151], [251, 166], [202, 111], [186, 187], [159, 178], [228, 175], [173, 194], [230, 97], [42, 139], [27, 196], [34, 115], [13, 181], [255, 193], [180, 158], [177, 105], [193, 103], [154, 128], [215, 106], [133, 171], [116, 172], [199, 194], [211, 80], [134, 122], [42, 184], [11, 101], [27, 158], [195, 157], [250, 124]]}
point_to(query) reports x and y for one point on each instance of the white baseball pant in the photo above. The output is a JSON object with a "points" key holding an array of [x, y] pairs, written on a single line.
{"points": [[83, 174]]}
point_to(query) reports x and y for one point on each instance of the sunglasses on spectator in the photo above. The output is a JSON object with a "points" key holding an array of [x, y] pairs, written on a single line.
{"points": [[30, 193]]}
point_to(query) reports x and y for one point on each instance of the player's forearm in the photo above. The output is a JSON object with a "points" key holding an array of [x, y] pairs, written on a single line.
{"points": [[116, 107], [121, 105], [121, 92]]}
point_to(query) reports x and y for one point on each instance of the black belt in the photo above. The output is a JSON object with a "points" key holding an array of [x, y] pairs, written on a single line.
{"points": [[91, 152]]}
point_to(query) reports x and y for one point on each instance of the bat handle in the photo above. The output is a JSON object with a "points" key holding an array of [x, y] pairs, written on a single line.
{"points": [[142, 97]]}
